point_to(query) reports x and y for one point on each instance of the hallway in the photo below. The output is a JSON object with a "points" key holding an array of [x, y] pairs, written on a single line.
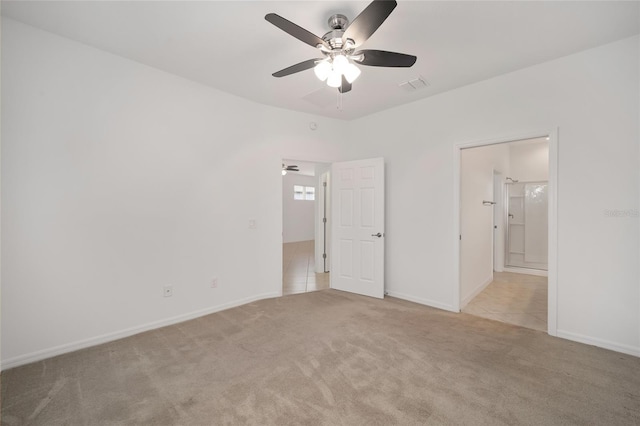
{"points": [[298, 269]]}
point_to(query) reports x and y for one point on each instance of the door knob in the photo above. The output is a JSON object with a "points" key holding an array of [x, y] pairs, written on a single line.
{"points": [[377, 235]]}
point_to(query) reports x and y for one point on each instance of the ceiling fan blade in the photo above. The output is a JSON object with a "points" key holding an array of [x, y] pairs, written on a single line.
{"points": [[365, 24], [382, 58], [305, 65], [296, 31], [345, 86]]}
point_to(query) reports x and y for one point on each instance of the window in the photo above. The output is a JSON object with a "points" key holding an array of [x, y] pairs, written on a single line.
{"points": [[304, 192], [309, 193]]}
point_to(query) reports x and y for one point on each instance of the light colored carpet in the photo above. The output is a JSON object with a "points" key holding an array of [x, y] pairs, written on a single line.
{"points": [[329, 358]]}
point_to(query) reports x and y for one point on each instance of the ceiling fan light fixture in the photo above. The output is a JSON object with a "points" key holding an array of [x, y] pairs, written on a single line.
{"points": [[351, 72], [334, 79], [340, 63], [322, 70]]}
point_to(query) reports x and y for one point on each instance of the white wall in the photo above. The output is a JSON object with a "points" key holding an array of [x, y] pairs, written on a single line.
{"points": [[118, 179], [477, 166], [592, 97], [298, 216], [529, 161], [115, 182]]}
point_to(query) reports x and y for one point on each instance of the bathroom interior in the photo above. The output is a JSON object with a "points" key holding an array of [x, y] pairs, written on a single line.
{"points": [[504, 221]]}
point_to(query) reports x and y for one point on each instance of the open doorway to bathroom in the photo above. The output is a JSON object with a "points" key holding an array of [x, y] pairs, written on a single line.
{"points": [[504, 211], [305, 226]]}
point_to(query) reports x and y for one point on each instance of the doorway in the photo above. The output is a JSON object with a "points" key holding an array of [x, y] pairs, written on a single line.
{"points": [[352, 248], [305, 224], [494, 179]]}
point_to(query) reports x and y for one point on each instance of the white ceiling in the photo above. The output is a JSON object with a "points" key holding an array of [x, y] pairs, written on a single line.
{"points": [[228, 44]]}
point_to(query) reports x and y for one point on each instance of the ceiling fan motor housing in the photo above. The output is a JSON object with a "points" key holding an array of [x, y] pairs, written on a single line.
{"points": [[338, 24]]}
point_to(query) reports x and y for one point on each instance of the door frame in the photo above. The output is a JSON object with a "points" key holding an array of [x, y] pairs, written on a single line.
{"points": [[323, 228], [498, 216], [552, 134]]}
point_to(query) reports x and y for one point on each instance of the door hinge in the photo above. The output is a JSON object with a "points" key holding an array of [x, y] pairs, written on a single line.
{"points": [[324, 183], [324, 220], [460, 237], [324, 255]]}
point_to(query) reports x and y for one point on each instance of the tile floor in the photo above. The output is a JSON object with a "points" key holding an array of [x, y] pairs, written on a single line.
{"points": [[298, 269], [513, 298]]}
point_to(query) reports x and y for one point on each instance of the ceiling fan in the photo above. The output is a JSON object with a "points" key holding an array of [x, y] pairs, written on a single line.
{"points": [[339, 46], [292, 168]]}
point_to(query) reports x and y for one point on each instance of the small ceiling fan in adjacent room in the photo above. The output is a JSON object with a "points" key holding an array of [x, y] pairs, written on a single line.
{"points": [[292, 168], [338, 46]]}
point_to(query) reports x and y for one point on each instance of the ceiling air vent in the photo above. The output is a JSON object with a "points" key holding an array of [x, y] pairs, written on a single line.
{"points": [[415, 84]]}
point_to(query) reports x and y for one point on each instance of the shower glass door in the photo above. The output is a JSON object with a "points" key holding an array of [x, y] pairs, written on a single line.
{"points": [[527, 223]]}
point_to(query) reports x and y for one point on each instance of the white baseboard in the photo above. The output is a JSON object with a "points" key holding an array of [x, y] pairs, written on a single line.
{"points": [[105, 338], [476, 292], [527, 271], [427, 302], [605, 344]]}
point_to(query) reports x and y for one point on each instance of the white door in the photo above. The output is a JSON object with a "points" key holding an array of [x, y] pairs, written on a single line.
{"points": [[357, 241]]}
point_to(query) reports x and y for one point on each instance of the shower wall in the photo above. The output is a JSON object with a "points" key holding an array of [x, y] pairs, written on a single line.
{"points": [[527, 224]]}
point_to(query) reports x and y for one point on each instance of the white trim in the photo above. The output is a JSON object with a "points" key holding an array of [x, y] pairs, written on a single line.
{"points": [[498, 220], [553, 215], [456, 227], [552, 265], [476, 292], [601, 343], [426, 302], [526, 271], [109, 337]]}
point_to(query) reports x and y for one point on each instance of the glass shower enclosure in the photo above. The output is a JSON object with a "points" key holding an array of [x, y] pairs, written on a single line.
{"points": [[527, 224]]}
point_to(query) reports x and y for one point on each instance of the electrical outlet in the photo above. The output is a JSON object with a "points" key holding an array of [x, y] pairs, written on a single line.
{"points": [[214, 282], [168, 291]]}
